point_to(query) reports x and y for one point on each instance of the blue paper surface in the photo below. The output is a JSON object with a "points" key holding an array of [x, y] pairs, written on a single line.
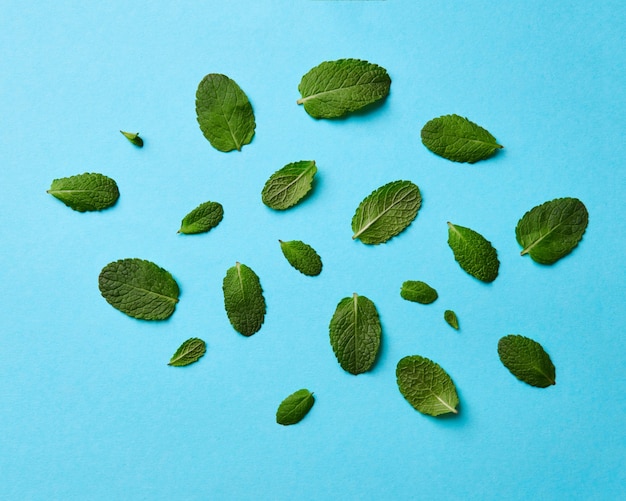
{"points": [[89, 408]]}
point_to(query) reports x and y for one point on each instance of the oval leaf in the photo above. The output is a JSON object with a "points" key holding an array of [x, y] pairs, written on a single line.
{"points": [[458, 139], [426, 386], [450, 317], [203, 218], [552, 230], [335, 88], [293, 409], [302, 257], [243, 299], [287, 186], [355, 334], [224, 113], [386, 212], [473, 252], [418, 292], [139, 288], [527, 360], [189, 352], [86, 192]]}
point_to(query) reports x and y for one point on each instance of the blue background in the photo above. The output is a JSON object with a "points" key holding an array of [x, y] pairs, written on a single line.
{"points": [[88, 407]]}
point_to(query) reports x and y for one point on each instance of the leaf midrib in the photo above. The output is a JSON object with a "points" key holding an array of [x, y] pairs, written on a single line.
{"points": [[169, 298], [286, 187], [303, 100], [368, 225]]}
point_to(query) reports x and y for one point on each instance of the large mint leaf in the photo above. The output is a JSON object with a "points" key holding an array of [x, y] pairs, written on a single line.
{"points": [[426, 386], [335, 88], [418, 292], [355, 334], [224, 113], [386, 212], [287, 186], [473, 252], [293, 409], [458, 139], [243, 299], [203, 218], [85, 192], [139, 288], [189, 352], [552, 230], [527, 360], [302, 257]]}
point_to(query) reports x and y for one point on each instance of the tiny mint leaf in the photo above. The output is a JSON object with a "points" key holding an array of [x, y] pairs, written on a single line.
{"points": [[188, 353], [473, 252], [287, 186], [386, 212], [139, 288], [134, 138], [355, 334], [86, 192], [527, 360], [302, 257], [551, 230], [335, 88], [224, 113], [203, 218], [458, 139], [450, 317], [418, 292], [293, 409], [243, 299]]}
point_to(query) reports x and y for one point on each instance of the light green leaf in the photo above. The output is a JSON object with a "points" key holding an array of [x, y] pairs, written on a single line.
{"points": [[243, 299], [293, 409], [355, 334], [203, 218], [287, 186], [551, 230], [473, 252], [302, 257], [386, 212], [139, 288], [458, 139], [450, 317], [527, 360], [418, 292], [335, 88], [86, 192], [426, 386], [224, 113], [189, 352], [134, 138]]}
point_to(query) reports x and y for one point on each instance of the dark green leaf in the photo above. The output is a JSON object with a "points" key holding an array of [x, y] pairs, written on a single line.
{"points": [[293, 409], [450, 317], [203, 218], [418, 292], [189, 352], [85, 192], [287, 186], [302, 257], [134, 138], [473, 252], [527, 360], [243, 299]]}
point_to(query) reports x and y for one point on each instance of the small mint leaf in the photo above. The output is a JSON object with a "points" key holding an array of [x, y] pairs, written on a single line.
{"points": [[293, 409], [134, 138], [188, 352]]}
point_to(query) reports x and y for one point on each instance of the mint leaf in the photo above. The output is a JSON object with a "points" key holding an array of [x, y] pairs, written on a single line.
{"points": [[473, 252], [287, 186], [189, 352], [203, 218], [224, 113], [355, 334], [302, 257], [450, 317], [243, 299], [293, 409], [86, 192], [426, 386], [418, 292], [527, 360], [457, 139], [386, 212], [335, 88], [134, 138], [139, 288], [551, 230]]}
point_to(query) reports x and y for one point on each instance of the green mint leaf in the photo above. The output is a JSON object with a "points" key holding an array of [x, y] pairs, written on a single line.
{"points": [[224, 113], [386, 212], [293, 409], [418, 292], [527, 360], [552, 230], [450, 317], [134, 138], [473, 252], [189, 352], [287, 186], [243, 299], [355, 334], [302, 257], [203, 218], [335, 88], [457, 139], [86, 192], [426, 386], [139, 288]]}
